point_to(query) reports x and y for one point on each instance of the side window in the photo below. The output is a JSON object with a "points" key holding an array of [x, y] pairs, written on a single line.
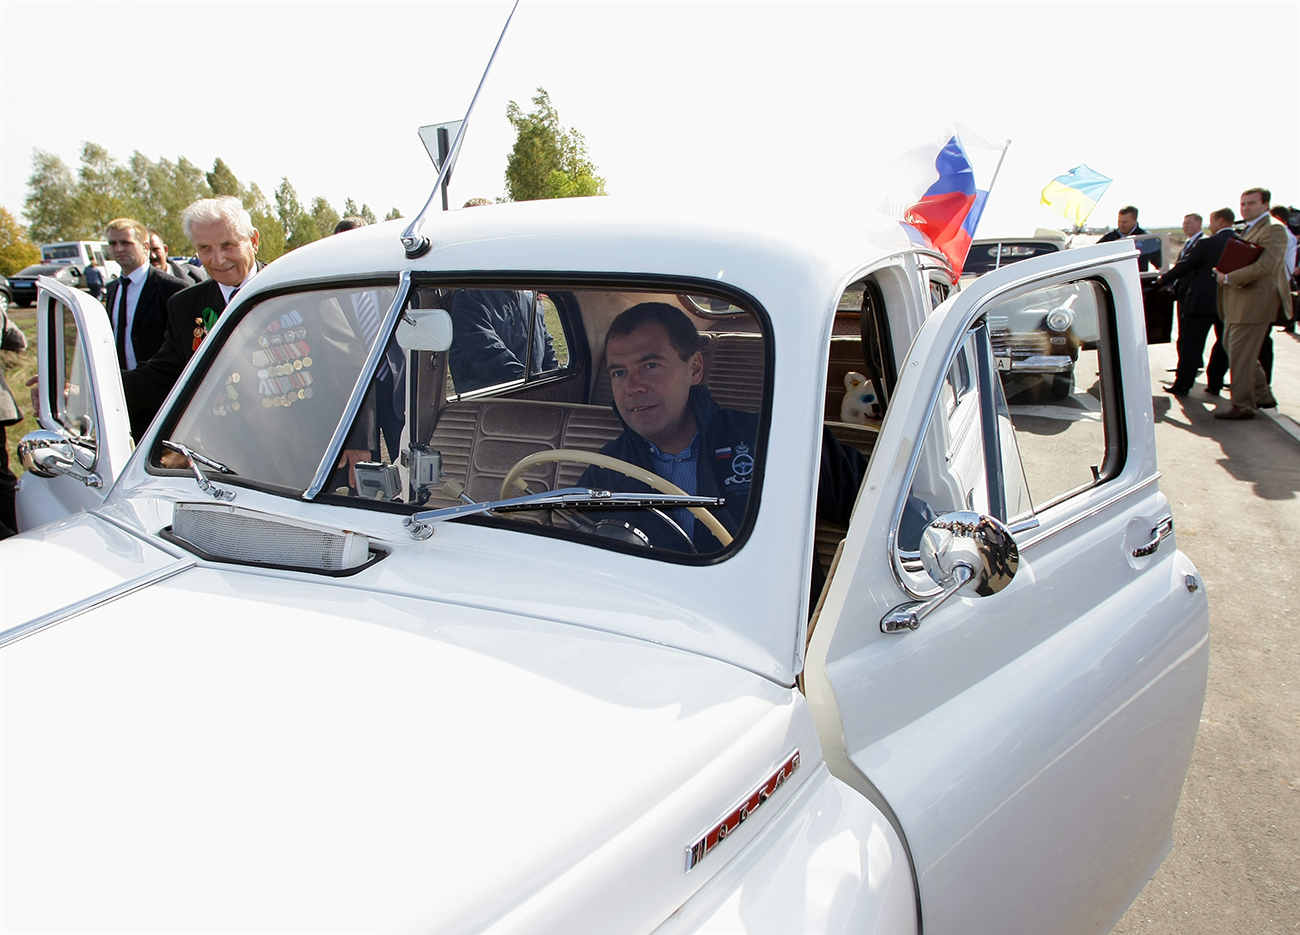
{"points": [[503, 336], [1053, 352], [72, 392], [1027, 415]]}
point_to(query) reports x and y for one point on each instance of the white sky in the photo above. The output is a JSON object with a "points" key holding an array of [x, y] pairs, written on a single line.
{"points": [[1183, 104]]}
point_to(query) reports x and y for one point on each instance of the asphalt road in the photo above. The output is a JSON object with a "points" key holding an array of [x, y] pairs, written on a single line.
{"points": [[1235, 492]]}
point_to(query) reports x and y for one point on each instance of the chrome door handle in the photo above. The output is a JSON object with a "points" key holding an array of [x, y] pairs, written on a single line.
{"points": [[1158, 534]]}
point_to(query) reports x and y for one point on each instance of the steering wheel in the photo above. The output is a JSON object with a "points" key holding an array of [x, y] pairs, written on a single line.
{"points": [[512, 481]]}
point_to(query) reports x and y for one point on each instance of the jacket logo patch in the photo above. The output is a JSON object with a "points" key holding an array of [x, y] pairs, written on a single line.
{"points": [[742, 466]]}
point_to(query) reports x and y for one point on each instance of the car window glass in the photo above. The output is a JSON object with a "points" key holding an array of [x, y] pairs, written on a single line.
{"points": [[75, 410], [1055, 369], [539, 361], [272, 396]]}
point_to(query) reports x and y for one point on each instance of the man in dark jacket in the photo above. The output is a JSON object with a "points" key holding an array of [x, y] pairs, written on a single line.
{"points": [[1126, 225], [137, 300], [1193, 278], [674, 428]]}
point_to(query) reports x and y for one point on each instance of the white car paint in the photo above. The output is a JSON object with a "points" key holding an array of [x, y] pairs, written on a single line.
{"points": [[493, 730]]}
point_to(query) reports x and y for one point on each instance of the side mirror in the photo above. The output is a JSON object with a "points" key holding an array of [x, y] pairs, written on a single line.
{"points": [[49, 454], [963, 552], [424, 329]]}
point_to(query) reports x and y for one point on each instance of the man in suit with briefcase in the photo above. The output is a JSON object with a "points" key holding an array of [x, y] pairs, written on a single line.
{"points": [[136, 300], [1251, 299]]}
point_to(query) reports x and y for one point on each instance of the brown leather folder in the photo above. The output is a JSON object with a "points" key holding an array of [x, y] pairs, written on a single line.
{"points": [[1238, 253]]}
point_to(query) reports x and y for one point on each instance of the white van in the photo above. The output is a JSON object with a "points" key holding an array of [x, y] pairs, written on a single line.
{"points": [[81, 253]]}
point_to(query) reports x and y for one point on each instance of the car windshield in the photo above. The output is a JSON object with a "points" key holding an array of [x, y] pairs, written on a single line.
{"points": [[543, 387]]}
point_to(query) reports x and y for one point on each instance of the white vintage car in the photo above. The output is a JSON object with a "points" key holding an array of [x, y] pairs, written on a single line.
{"points": [[463, 691]]}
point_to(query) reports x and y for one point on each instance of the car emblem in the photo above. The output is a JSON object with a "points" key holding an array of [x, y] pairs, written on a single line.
{"points": [[746, 807]]}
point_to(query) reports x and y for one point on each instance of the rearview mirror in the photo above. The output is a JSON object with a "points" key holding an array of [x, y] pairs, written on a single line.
{"points": [[424, 329]]}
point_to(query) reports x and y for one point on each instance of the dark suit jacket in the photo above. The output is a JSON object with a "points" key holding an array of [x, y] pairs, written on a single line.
{"points": [[149, 326], [1143, 260], [148, 384], [1193, 277], [188, 273]]}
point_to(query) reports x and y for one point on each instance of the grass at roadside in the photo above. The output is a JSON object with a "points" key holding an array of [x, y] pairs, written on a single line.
{"points": [[18, 366]]}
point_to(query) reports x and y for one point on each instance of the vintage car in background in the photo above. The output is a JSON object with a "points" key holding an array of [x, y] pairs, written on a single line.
{"points": [[464, 692], [1041, 341]]}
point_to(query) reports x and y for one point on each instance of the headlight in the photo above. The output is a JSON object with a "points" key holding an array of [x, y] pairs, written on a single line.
{"points": [[1058, 319]]}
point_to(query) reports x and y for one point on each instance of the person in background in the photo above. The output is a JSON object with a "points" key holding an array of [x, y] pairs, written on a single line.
{"points": [[11, 339], [1283, 215], [1193, 279], [1250, 300], [1126, 225], [188, 273], [136, 300]]}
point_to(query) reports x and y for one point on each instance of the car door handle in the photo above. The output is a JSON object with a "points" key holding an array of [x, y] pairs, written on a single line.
{"points": [[1158, 534]]}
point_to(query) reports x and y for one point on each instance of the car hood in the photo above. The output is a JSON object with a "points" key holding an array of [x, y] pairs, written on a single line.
{"points": [[222, 750]]}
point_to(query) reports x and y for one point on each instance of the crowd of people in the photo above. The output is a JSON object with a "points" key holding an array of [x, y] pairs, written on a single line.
{"points": [[1240, 301]]}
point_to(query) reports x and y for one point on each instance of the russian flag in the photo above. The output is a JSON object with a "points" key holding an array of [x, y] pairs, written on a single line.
{"points": [[949, 211]]}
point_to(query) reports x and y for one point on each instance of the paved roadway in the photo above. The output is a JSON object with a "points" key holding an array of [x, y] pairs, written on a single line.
{"points": [[1235, 492]]}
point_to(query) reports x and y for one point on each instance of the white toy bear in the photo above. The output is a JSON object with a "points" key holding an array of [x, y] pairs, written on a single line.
{"points": [[860, 404]]}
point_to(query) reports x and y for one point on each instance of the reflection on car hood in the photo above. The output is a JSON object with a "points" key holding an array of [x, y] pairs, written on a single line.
{"points": [[240, 751]]}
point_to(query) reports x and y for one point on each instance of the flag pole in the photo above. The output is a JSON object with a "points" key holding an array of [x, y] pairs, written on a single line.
{"points": [[1002, 155]]}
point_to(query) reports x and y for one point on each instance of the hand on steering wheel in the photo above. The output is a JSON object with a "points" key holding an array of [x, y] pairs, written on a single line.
{"points": [[512, 480]]}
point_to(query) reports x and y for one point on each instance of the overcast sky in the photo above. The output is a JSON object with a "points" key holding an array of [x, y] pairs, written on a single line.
{"points": [[1183, 104]]}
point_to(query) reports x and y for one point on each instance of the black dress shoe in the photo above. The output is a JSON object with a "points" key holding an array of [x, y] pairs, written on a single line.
{"points": [[1213, 390], [1175, 390], [1272, 405], [1235, 413]]}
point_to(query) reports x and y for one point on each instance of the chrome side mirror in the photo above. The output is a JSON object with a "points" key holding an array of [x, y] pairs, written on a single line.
{"points": [[49, 454], [963, 552]]}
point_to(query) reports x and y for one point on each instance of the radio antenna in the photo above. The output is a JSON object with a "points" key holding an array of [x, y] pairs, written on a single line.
{"points": [[415, 243]]}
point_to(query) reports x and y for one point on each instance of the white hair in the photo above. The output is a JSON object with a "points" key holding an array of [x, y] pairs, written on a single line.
{"points": [[224, 209]]}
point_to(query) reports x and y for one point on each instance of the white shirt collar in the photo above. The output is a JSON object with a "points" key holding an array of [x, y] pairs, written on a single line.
{"points": [[1251, 224], [227, 291], [137, 275]]}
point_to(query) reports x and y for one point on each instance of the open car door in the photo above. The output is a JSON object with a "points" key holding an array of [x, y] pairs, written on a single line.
{"points": [[85, 436], [1028, 732]]}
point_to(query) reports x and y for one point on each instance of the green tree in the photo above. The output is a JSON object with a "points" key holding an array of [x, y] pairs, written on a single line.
{"points": [[51, 205], [324, 215], [222, 181], [165, 189], [104, 190], [299, 226], [270, 231], [16, 248], [547, 161], [392, 215]]}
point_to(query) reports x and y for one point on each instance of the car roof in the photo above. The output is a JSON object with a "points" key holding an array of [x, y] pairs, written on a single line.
{"points": [[723, 243]]}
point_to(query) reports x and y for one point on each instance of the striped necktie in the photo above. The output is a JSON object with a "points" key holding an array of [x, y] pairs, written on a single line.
{"points": [[368, 318]]}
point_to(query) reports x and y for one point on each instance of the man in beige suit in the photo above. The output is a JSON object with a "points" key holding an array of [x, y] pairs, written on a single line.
{"points": [[1249, 301]]}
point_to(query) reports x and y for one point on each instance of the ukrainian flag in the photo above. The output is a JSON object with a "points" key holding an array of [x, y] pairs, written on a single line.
{"points": [[1075, 194]]}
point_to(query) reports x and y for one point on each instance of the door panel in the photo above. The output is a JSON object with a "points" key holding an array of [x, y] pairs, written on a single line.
{"points": [[79, 398], [1031, 744]]}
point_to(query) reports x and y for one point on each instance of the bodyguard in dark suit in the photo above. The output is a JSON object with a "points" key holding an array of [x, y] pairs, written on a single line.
{"points": [[137, 300], [1126, 225], [1197, 291], [187, 273]]}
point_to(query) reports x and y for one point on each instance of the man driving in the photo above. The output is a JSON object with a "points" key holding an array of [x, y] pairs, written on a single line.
{"points": [[673, 427]]}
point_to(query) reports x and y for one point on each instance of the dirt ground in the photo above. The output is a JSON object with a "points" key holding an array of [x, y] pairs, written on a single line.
{"points": [[1235, 492]]}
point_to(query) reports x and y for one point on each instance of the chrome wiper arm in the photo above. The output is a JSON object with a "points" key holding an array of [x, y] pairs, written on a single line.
{"points": [[572, 498], [205, 485]]}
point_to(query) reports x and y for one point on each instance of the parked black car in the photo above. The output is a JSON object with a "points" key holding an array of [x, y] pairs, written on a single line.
{"points": [[23, 283]]}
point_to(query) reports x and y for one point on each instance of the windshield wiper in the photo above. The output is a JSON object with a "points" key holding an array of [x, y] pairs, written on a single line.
{"points": [[567, 498], [205, 485]]}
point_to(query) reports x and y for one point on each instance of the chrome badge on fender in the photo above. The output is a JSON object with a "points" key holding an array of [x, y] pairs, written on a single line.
{"points": [[695, 853]]}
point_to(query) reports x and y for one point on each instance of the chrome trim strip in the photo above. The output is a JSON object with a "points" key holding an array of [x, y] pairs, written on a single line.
{"points": [[361, 387], [1090, 512], [36, 624]]}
